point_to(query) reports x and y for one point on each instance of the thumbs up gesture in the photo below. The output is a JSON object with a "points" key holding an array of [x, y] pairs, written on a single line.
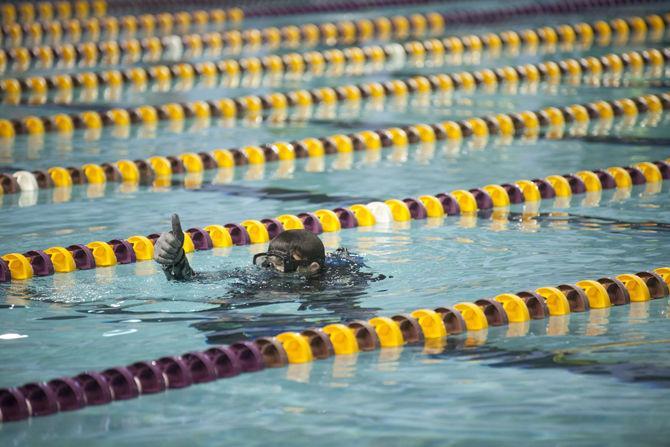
{"points": [[169, 252], [169, 248]]}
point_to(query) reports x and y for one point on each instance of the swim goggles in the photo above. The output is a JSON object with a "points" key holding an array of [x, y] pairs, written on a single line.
{"points": [[280, 261]]}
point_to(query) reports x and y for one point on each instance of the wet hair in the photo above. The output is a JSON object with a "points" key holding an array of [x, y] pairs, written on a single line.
{"points": [[303, 242]]}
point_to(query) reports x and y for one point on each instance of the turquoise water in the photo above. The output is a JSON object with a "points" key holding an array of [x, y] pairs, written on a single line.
{"points": [[590, 379]]}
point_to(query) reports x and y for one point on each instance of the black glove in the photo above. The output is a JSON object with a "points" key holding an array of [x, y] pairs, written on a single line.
{"points": [[169, 252]]}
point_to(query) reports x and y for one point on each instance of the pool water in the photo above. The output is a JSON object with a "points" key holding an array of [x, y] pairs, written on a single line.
{"points": [[595, 378]]}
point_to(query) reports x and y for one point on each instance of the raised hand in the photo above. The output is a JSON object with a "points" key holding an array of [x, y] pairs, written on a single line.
{"points": [[169, 248], [169, 252]]}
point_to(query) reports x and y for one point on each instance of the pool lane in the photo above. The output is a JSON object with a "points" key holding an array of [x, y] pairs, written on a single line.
{"points": [[31, 152], [311, 404], [345, 182], [425, 264]]}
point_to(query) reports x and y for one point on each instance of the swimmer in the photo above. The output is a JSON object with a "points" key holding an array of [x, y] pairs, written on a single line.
{"points": [[292, 251], [295, 269]]}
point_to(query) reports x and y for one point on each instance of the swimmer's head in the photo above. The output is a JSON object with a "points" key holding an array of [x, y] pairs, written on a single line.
{"points": [[294, 251]]}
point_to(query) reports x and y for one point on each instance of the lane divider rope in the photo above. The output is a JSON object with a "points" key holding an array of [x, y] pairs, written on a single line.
{"points": [[29, 12], [52, 33], [12, 91], [428, 326], [112, 28], [618, 31], [329, 62], [26, 186], [610, 67], [22, 266], [154, 48], [526, 123], [470, 16], [265, 9]]}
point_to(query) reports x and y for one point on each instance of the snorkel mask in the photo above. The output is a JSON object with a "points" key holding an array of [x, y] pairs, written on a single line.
{"points": [[280, 261]]}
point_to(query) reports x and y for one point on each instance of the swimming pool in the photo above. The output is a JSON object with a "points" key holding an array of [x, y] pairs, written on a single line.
{"points": [[578, 379]]}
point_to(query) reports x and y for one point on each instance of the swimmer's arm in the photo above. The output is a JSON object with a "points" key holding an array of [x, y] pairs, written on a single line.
{"points": [[180, 271]]}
